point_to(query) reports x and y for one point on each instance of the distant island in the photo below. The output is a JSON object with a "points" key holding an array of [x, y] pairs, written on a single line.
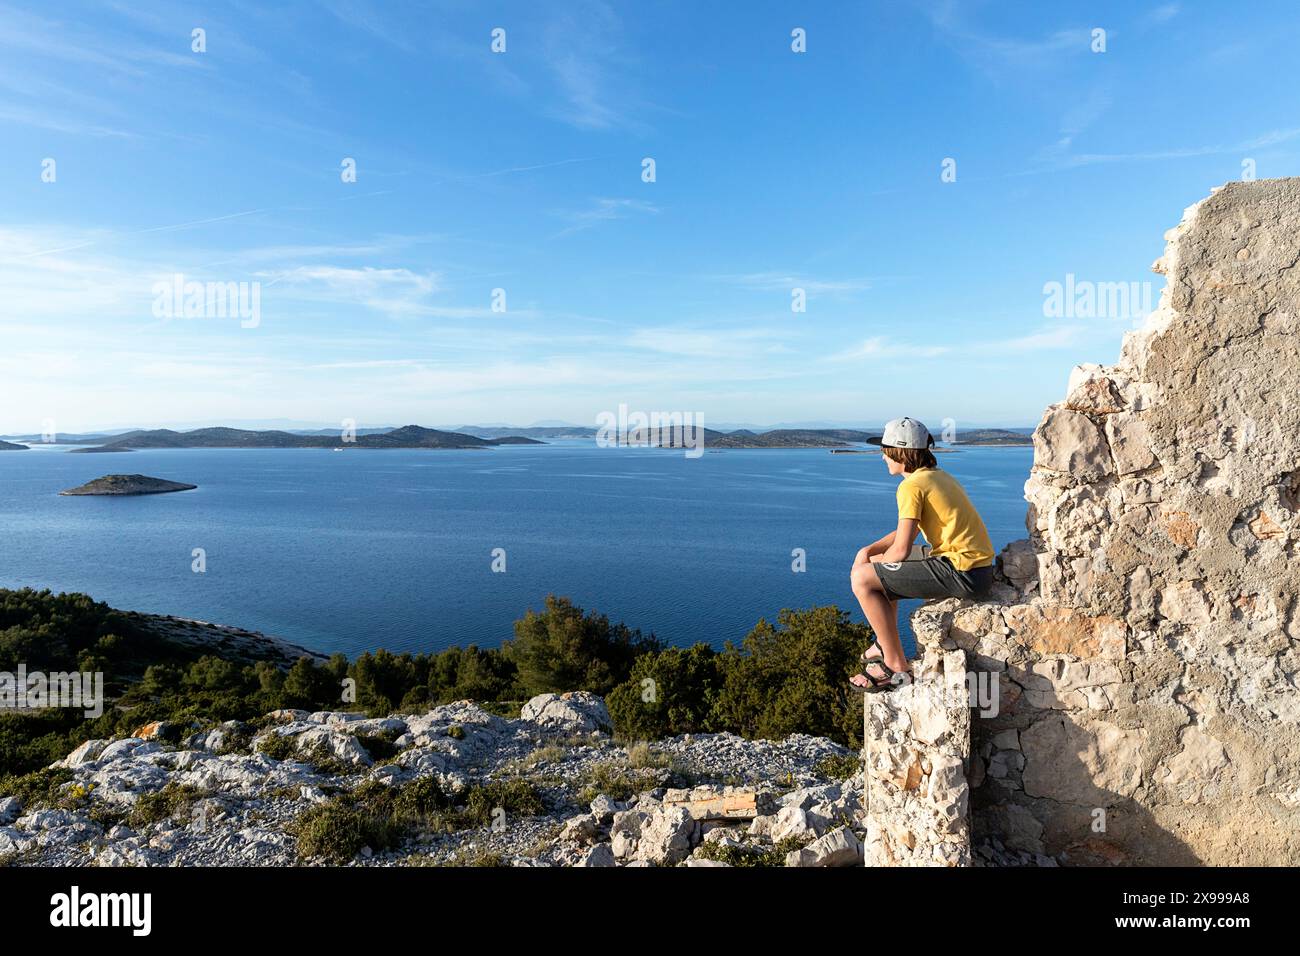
{"points": [[97, 450], [992, 436], [10, 446], [408, 436], [128, 485]]}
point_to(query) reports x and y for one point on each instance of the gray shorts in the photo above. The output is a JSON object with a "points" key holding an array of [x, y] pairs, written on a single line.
{"points": [[932, 578]]}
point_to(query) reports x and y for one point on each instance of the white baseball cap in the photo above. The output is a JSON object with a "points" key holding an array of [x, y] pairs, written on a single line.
{"points": [[904, 433]]}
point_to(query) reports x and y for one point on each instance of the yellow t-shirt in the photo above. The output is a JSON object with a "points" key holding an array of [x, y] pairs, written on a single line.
{"points": [[950, 523]]}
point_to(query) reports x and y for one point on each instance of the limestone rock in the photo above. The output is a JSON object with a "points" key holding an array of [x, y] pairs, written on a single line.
{"points": [[1018, 563], [14, 841], [576, 711], [838, 848], [603, 809], [324, 740], [84, 753], [791, 821], [1130, 443], [667, 837], [1071, 442], [598, 855], [580, 829]]}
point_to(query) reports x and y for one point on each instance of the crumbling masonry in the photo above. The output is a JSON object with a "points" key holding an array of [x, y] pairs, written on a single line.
{"points": [[1146, 636]]}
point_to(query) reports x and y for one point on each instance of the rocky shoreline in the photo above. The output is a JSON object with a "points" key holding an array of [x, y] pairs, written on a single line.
{"points": [[230, 643]]}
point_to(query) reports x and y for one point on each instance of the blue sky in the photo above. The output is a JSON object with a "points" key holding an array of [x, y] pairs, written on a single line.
{"points": [[522, 171]]}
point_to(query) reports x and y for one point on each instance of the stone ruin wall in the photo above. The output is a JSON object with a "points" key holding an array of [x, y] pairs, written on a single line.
{"points": [[1146, 636]]}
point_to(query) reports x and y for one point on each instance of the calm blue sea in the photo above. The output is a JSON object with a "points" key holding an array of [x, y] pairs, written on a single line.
{"points": [[356, 550]]}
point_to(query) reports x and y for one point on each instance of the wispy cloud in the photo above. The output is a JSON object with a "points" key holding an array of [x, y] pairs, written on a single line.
{"points": [[1076, 120], [881, 347], [44, 119], [376, 287], [588, 63], [1001, 51], [705, 343], [100, 236], [59, 40], [1161, 14], [364, 16], [1263, 141], [1045, 339], [605, 210], [785, 281]]}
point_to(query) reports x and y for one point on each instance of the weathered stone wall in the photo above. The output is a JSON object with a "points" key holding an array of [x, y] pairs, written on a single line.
{"points": [[1147, 639], [917, 745]]}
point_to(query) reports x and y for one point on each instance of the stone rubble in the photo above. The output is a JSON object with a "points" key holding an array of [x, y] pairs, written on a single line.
{"points": [[744, 797]]}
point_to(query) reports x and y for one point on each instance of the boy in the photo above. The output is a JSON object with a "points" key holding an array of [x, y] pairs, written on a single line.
{"points": [[960, 563]]}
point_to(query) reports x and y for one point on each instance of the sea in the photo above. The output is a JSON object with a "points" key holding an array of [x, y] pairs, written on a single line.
{"points": [[422, 549]]}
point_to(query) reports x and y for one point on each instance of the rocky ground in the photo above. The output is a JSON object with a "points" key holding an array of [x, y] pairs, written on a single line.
{"points": [[230, 643], [230, 795]]}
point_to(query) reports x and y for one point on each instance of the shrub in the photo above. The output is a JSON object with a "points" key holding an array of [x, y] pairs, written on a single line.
{"points": [[172, 799], [750, 856], [550, 753], [337, 830], [422, 797], [477, 857], [380, 816], [641, 756], [278, 746], [306, 685], [325, 763], [379, 746], [30, 740], [618, 781], [667, 693], [40, 788], [562, 649], [518, 798], [794, 678], [839, 767]]}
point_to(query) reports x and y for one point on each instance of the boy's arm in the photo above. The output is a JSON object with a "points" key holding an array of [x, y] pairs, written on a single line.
{"points": [[881, 546], [900, 545]]}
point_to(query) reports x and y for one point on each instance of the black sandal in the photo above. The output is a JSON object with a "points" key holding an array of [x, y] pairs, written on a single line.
{"points": [[872, 642], [878, 684]]}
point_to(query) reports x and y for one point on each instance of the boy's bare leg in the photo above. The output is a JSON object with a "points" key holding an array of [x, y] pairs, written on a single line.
{"points": [[873, 652], [882, 614]]}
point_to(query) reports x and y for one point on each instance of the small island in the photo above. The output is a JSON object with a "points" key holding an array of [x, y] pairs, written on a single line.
{"points": [[128, 485], [10, 446], [98, 450]]}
